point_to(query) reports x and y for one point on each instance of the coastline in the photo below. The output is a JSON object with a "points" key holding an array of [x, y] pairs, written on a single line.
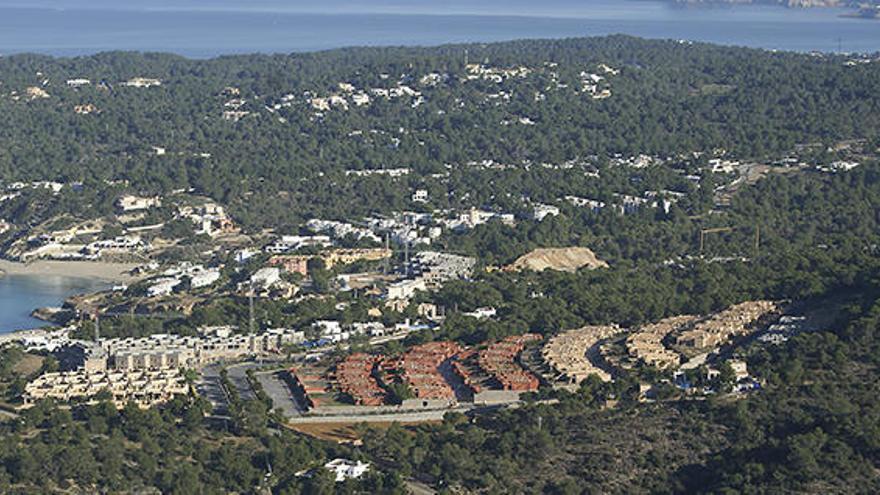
{"points": [[96, 270]]}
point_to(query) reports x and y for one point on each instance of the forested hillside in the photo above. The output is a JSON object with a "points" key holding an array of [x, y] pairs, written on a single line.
{"points": [[664, 98], [638, 148]]}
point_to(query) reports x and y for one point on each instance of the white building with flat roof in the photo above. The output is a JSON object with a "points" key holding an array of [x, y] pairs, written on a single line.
{"points": [[344, 469]]}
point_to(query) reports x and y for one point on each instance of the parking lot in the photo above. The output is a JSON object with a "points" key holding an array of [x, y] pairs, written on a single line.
{"points": [[282, 397]]}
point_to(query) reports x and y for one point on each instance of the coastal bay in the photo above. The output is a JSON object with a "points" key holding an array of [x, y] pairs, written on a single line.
{"points": [[26, 287]]}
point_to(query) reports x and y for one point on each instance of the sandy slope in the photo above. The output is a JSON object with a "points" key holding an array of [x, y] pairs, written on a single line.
{"points": [[568, 259], [111, 272]]}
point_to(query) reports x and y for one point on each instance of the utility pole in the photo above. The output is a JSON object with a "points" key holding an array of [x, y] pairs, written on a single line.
{"points": [[385, 267], [97, 326], [251, 310]]}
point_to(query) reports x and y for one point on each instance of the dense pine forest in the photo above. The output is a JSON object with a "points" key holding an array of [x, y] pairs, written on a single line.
{"points": [[283, 155]]}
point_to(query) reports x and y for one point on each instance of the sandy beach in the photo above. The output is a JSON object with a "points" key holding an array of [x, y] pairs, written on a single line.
{"points": [[110, 272]]}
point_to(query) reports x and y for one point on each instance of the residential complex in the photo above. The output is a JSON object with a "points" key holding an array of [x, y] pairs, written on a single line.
{"points": [[145, 387], [718, 328], [573, 355]]}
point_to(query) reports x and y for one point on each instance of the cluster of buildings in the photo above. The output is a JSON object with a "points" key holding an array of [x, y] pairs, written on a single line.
{"points": [[786, 327], [163, 351], [60, 246], [542, 211], [78, 82], [341, 230], [129, 203], [387, 172], [646, 344], [144, 387], [356, 377], [715, 330], [232, 109], [433, 373], [340, 469], [625, 204], [209, 219], [499, 360], [596, 85], [344, 469], [198, 276], [364, 378], [470, 219], [85, 109], [838, 166], [428, 270], [420, 370], [494, 74], [349, 95], [291, 243], [573, 354], [435, 267], [35, 93], [299, 263], [333, 332], [410, 228]]}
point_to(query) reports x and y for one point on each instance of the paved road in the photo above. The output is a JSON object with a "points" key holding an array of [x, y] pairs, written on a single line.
{"points": [[4, 415], [282, 397], [211, 388], [238, 377], [419, 488], [410, 417]]}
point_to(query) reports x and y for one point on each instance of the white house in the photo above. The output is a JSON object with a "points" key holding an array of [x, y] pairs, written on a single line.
{"points": [[204, 278], [142, 82], [134, 203], [420, 196], [329, 327], [345, 469], [542, 211], [266, 277], [482, 313], [162, 287], [406, 288]]}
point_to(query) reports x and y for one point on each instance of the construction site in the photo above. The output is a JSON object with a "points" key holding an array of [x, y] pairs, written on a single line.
{"points": [[495, 374], [574, 355], [645, 345], [671, 342], [719, 328], [439, 375], [434, 375]]}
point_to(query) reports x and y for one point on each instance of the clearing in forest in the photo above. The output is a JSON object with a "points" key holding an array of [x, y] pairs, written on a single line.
{"points": [[568, 259]]}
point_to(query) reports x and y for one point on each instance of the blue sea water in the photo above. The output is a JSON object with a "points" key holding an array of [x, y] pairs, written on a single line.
{"points": [[207, 28], [21, 294]]}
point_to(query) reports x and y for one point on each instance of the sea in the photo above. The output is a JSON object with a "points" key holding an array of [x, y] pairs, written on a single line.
{"points": [[210, 28], [21, 294]]}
